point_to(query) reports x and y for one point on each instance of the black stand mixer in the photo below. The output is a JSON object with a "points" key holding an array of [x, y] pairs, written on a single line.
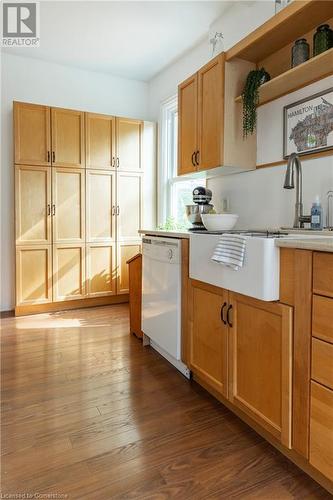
{"points": [[201, 199]]}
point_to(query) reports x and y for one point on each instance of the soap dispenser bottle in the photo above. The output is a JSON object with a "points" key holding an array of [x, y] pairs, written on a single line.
{"points": [[316, 215]]}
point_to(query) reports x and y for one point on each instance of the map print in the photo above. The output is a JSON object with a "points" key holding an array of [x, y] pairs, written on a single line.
{"points": [[310, 125]]}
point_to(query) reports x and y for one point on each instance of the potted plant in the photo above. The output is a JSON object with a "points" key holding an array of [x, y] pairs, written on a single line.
{"points": [[250, 99]]}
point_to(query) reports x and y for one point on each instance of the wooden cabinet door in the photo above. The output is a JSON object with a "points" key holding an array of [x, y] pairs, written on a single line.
{"points": [[321, 429], [32, 134], [125, 251], [68, 272], [187, 125], [33, 274], [101, 269], [67, 138], [68, 205], [100, 205], [32, 205], [129, 144], [211, 113], [260, 356], [129, 198], [100, 141], [209, 335]]}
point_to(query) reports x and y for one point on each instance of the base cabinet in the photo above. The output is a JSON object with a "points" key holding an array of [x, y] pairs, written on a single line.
{"points": [[209, 337], [33, 274], [68, 272], [260, 356], [321, 429], [101, 269], [242, 348], [125, 251]]}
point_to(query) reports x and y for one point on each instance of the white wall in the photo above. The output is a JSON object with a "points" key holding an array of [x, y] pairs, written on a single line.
{"points": [[36, 81]]}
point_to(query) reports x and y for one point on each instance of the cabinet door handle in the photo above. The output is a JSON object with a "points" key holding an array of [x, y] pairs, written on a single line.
{"points": [[117, 162], [222, 313], [48, 209], [197, 158], [48, 157], [228, 318], [118, 210], [53, 209], [53, 156], [193, 155], [113, 164], [113, 210]]}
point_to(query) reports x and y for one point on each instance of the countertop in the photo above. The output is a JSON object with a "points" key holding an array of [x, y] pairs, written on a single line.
{"points": [[165, 233], [319, 241], [319, 244]]}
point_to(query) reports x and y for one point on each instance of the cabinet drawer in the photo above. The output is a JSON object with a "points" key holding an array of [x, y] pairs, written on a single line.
{"points": [[323, 273], [322, 318], [322, 362], [321, 429]]}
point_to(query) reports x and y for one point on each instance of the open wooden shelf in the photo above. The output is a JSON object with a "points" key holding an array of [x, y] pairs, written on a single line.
{"points": [[311, 71], [285, 27]]}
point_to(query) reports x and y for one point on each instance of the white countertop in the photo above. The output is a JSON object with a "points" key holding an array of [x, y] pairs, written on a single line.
{"points": [[309, 243], [165, 233]]}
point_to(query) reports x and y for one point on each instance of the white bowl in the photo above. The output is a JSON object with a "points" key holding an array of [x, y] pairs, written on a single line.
{"points": [[219, 222]]}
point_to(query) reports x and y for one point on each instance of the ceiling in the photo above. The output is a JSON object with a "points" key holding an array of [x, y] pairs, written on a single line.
{"points": [[134, 40]]}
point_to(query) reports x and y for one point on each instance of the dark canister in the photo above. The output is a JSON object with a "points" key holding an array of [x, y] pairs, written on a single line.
{"points": [[300, 52], [322, 39]]}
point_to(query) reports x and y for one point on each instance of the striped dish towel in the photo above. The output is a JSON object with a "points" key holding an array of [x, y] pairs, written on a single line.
{"points": [[230, 251]]}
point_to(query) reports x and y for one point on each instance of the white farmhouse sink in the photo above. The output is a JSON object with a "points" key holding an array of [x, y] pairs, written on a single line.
{"points": [[259, 277]]}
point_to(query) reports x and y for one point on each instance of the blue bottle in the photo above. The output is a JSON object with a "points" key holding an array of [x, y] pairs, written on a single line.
{"points": [[316, 215]]}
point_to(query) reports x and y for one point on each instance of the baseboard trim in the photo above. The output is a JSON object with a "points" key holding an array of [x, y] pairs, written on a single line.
{"points": [[70, 304]]}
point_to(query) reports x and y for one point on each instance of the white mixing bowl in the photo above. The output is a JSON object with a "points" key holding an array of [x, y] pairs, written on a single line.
{"points": [[219, 222]]}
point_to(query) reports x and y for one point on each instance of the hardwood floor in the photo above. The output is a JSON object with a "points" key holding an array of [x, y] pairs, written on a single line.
{"points": [[87, 412]]}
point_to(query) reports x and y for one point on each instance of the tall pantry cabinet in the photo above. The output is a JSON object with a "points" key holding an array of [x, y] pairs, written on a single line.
{"points": [[79, 190]]}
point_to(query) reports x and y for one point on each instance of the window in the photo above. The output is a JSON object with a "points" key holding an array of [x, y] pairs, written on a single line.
{"points": [[173, 192]]}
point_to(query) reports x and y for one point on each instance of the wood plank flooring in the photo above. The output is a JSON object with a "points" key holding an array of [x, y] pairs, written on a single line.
{"points": [[88, 413]]}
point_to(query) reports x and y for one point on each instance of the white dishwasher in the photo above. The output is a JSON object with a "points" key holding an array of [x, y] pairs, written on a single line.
{"points": [[161, 297]]}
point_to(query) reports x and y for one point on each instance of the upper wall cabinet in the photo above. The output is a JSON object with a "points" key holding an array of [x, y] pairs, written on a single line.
{"points": [[32, 134], [210, 122], [100, 141], [129, 144], [188, 124], [67, 138]]}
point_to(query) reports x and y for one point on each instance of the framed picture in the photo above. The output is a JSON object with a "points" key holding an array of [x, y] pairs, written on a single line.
{"points": [[308, 124]]}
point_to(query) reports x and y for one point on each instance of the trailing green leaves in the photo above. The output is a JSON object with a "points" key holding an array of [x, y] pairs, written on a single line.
{"points": [[250, 99]]}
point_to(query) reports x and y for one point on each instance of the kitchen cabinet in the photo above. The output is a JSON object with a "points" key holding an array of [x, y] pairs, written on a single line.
{"points": [[129, 196], [210, 121], [100, 141], [67, 128], [321, 429], [68, 272], [101, 205], [125, 251], [129, 144], [33, 274], [79, 201], [261, 363], [210, 114], [242, 348], [101, 269], [187, 125], [68, 205], [32, 134], [33, 205], [209, 336]]}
